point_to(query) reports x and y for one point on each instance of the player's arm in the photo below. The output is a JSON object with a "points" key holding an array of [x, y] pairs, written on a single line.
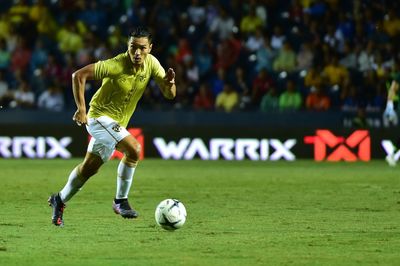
{"points": [[79, 78], [390, 113], [394, 87], [168, 88]]}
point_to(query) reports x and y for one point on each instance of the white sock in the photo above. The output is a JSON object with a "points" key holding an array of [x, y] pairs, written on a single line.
{"points": [[73, 185], [124, 180]]}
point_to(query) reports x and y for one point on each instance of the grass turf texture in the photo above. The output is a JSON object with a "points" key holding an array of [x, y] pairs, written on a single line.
{"points": [[239, 213]]}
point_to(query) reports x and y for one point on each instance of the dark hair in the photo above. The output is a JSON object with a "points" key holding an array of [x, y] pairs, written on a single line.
{"points": [[140, 32]]}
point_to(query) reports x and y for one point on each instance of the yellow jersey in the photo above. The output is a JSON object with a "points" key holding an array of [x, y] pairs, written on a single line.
{"points": [[122, 86]]}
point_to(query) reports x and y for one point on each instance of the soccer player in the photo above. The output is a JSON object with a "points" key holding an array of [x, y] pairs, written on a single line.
{"points": [[390, 116], [124, 79]]}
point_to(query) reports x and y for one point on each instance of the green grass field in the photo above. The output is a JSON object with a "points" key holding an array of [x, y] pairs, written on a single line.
{"points": [[239, 213]]}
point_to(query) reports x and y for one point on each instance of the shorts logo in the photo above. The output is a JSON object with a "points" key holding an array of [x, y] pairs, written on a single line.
{"points": [[116, 128]]}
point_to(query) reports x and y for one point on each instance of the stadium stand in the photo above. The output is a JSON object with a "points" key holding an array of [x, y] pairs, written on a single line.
{"points": [[347, 50]]}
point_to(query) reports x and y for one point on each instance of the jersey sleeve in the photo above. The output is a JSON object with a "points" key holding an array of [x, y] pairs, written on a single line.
{"points": [[157, 71], [108, 68]]}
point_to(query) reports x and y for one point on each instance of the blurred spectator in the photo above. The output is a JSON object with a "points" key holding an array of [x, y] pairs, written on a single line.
{"points": [[47, 24], [251, 22], [5, 55], [345, 27], [192, 71], [317, 100], [163, 14], [217, 82], [277, 38], [255, 41], [69, 39], [21, 56], [38, 81], [183, 51], [114, 39], [39, 55], [261, 85], [290, 99], [204, 60], [38, 10], [53, 68], [222, 25], [305, 57], [349, 57], [286, 59], [265, 55], [136, 12], [5, 25], [365, 58], [93, 16], [261, 10], [52, 99], [23, 97], [85, 55], [379, 67], [240, 81], [18, 12], [203, 100], [391, 23], [317, 8], [227, 100], [296, 11], [196, 12], [270, 101], [335, 41], [183, 100], [228, 52], [334, 73], [211, 11], [66, 73], [313, 77], [379, 35]]}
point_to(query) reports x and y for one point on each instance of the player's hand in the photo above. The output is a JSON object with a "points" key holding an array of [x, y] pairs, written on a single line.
{"points": [[80, 118], [170, 76]]}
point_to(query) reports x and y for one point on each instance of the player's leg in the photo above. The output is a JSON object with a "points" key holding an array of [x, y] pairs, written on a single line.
{"points": [[393, 152], [126, 169], [77, 178], [80, 175]]}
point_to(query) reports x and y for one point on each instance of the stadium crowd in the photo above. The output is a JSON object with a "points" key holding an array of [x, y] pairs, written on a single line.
{"points": [[228, 55]]}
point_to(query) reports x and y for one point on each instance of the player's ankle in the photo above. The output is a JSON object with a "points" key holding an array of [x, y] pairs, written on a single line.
{"points": [[118, 201]]}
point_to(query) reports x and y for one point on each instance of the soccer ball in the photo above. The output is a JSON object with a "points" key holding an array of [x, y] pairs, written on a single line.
{"points": [[170, 214]]}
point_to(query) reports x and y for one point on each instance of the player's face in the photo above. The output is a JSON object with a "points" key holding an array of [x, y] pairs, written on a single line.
{"points": [[138, 49]]}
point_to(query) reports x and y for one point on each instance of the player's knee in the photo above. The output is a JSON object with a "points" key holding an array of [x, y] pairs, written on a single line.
{"points": [[131, 157], [133, 153]]}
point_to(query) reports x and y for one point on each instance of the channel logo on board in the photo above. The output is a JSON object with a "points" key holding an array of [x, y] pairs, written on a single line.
{"points": [[333, 148]]}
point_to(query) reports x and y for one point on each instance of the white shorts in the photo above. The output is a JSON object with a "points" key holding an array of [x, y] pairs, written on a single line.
{"points": [[106, 134]]}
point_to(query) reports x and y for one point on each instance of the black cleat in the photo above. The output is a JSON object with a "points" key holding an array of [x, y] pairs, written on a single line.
{"points": [[124, 209], [58, 209]]}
